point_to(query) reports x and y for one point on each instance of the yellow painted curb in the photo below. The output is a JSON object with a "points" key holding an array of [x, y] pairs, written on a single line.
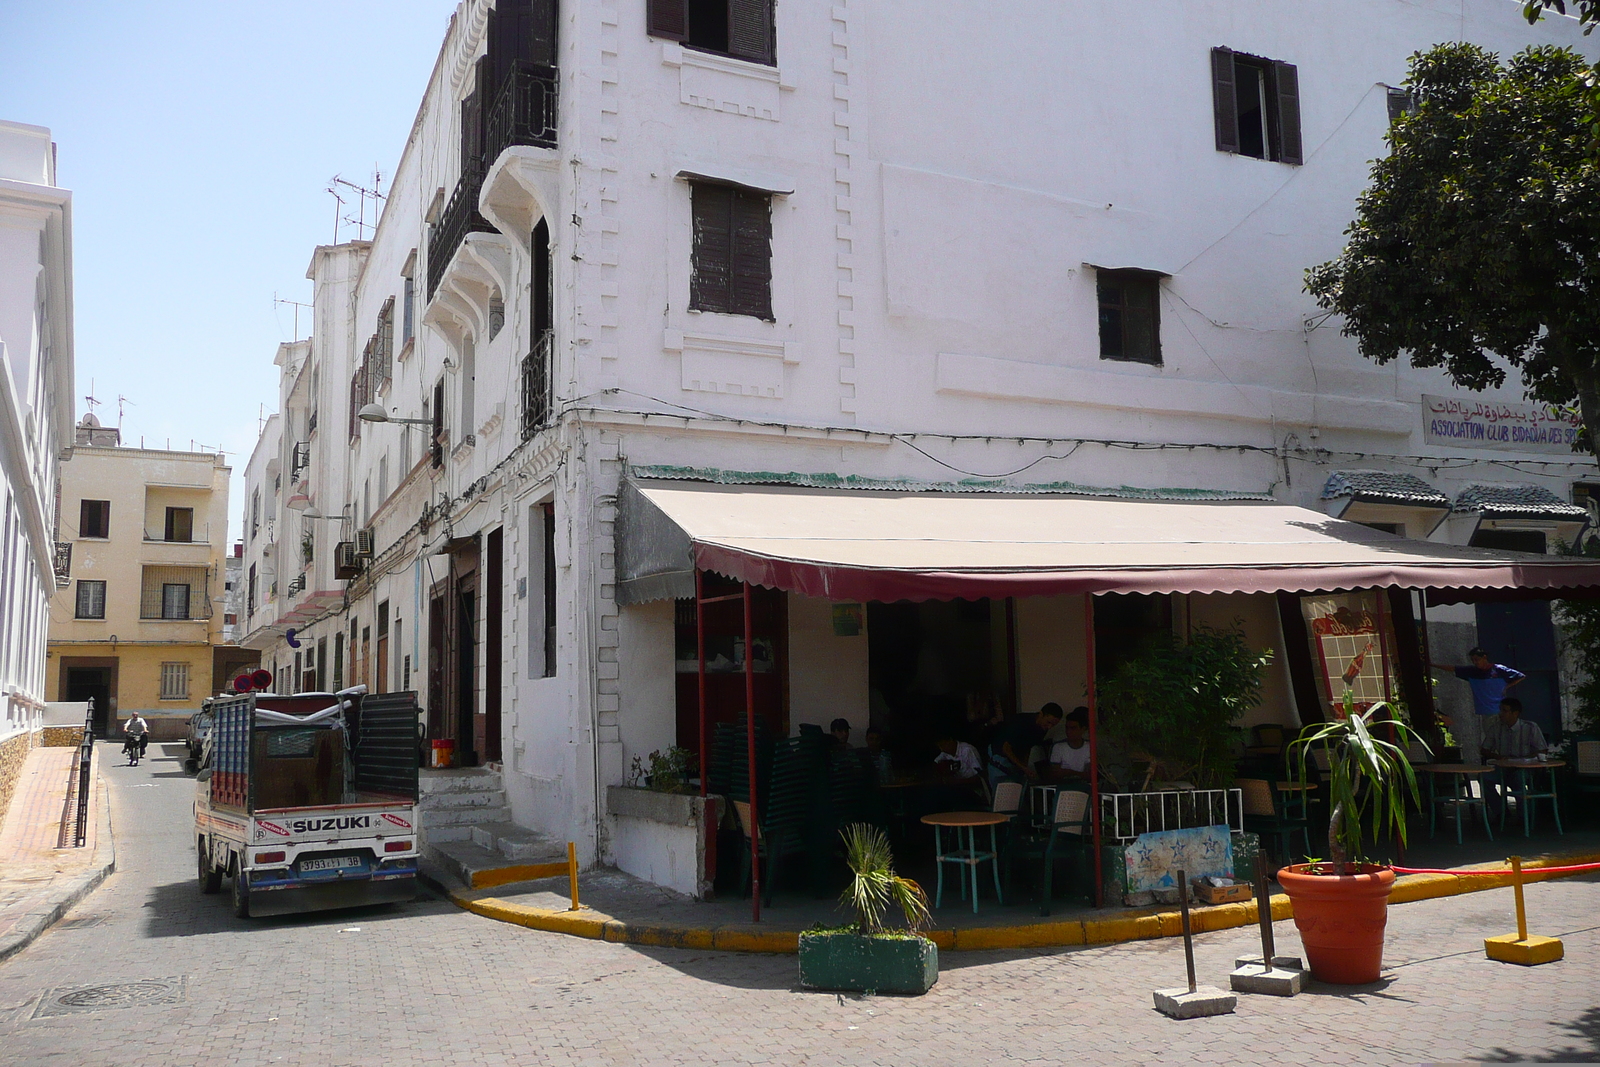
{"points": [[525, 872], [1125, 926]]}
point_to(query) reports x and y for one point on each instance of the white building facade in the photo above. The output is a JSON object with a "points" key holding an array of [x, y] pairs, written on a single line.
{"points": [[866, 244], [35, 420]]}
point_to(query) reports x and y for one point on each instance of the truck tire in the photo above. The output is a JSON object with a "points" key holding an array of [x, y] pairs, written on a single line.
{"points": [[210, 877], [241, 894]]}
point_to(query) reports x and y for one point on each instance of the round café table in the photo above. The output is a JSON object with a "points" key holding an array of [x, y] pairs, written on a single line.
{"points": [[1523, 790], [1461, 775], [969, 857]]}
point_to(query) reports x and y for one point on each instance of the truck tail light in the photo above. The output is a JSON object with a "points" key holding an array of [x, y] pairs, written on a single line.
{"points": [[397, 846], [269, 857]]}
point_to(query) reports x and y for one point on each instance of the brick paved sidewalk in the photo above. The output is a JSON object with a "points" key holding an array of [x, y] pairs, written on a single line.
{"points": [[40, 881]]}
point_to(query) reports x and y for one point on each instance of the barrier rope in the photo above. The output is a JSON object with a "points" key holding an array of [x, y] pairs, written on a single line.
{"points": [[1572, 869]]}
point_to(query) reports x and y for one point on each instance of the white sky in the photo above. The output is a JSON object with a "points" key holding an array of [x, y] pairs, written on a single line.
{"points": [[198, 140]]}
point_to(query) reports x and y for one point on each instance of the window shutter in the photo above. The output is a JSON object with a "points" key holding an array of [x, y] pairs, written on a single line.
{"points": [[668, 18], [542, 32], [751, 258], [1286, 81], [1224, 100], [750, 34], [710, 280]]}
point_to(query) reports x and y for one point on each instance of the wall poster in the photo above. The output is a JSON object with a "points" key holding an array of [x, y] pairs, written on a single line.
{"points": [[1351, 643]]}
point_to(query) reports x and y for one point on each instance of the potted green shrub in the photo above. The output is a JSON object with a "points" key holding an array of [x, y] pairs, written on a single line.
{"points": [[868, 956], [1342, 906]]}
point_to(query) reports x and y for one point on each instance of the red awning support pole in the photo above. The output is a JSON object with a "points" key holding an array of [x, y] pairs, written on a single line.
{"points": [[750, 755], [1094, 746], [700, 640]]}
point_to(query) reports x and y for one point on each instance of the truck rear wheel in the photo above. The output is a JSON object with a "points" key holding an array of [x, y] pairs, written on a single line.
{"points": [[210, 877], [241, 893]]}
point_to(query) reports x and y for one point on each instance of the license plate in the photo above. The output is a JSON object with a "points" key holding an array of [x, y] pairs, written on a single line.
{"points": [[330, 863]]}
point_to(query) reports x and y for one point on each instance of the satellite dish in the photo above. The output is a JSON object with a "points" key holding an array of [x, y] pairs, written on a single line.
{"points": [[289, 636]]}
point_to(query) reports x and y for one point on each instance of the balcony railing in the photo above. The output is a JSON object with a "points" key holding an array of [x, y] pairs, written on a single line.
{"points": [[63, 564], [523, 111], [536, 385]]}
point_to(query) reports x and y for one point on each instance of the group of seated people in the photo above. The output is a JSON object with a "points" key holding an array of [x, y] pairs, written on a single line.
{"points": [[1012, 751]]}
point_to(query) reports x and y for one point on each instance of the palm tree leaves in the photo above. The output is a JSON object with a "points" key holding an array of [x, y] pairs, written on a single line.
{"points": [[874, 886]]}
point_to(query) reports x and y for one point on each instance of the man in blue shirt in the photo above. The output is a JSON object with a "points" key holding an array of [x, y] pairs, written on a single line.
{"points": [[1489, 682]]}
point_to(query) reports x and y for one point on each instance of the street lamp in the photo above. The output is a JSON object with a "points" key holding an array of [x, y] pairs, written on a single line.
{"points": [[375, 413]]}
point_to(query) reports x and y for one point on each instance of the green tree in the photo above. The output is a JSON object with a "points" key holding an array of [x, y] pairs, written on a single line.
{"points": [[1587, 12], [1476, 248]]}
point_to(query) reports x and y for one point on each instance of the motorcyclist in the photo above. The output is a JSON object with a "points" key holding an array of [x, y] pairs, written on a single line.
{"points": [[138, 733]]}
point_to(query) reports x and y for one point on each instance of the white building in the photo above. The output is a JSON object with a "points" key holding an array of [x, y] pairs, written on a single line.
{"points": [[848, 247], [35, 421]]}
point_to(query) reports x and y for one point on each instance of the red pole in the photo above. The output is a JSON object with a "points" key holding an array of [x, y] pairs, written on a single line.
{"points": [[1094, 746], [700, 637], [750, 755]]}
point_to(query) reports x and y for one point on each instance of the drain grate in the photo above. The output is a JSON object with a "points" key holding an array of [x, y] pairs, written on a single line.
{"points": [[76, 1000]]}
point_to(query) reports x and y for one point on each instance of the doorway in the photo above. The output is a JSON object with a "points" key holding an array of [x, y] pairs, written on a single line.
{"points": [[1521, 635], [92, 679]]}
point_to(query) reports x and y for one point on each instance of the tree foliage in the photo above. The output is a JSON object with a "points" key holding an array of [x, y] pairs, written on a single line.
{"points": [[1476, 248], [1580, 626], [1176, 704], [1587, 12]]}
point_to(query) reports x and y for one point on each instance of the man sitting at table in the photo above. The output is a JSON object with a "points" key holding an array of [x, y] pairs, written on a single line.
{"points": [[1012, 748], [1514, 737], [1069, 759], [840, 729], [958, 759]]}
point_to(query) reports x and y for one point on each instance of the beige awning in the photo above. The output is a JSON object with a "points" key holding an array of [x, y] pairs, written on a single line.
{"points": [[880, 545]]}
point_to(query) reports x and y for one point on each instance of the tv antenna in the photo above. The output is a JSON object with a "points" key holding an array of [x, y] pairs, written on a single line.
{"points": [[362, 194], [122, 403], [91, 401], [277, 301]]}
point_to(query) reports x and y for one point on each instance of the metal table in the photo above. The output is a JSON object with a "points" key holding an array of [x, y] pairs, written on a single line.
{"points": [[1523, 793], [1461, 775], [968, 857]]}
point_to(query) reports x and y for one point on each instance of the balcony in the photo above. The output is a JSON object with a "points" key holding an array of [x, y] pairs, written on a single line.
{"points": [[63, 564], [522, 112], [536, 385]]}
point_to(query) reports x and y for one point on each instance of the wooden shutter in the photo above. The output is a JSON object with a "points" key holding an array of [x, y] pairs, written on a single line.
{"points": [[542, 31], [710, 279], [751, 258], [1286, 83], [1224, 100], [750, 34], [668, 18]]}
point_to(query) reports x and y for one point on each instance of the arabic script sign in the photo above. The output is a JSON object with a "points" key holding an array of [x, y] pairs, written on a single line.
{"points": [[1474, 422]]}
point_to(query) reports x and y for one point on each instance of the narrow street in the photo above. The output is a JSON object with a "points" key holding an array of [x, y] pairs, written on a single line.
{"points": [[427, 983]]}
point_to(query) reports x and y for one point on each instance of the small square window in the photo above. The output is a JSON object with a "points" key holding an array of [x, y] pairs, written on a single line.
{"points": [[174, 601], [174, 681], [94, 518], [732, 254], [1130, 316], [91, 600]]}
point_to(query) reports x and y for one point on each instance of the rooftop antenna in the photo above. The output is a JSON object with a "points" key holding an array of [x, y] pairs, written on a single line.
{"points": [[338, 206], [363, 194], [91, 401], [122, 403], [279, 300]]}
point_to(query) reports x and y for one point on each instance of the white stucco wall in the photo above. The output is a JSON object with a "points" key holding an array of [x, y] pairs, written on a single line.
{"points": [[827, 674]]}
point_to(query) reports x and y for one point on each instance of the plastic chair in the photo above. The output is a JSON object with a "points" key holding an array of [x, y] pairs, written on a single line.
{"points": [[1068, 835], [771, 849]]}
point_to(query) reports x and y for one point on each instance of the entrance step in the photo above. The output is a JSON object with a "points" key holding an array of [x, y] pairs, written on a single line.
{"points": [[451, 802], [518, 842], [477, 867]]}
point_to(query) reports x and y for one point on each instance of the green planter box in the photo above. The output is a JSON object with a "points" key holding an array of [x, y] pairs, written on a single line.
{"points": [[847, 961]]}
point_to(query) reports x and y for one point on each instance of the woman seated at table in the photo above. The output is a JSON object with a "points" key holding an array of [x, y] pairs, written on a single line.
{"points": [[1069, 758]]}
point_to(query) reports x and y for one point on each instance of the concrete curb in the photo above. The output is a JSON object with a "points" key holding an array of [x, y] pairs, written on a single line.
{"points": [[69, 893], [1139, 925]]}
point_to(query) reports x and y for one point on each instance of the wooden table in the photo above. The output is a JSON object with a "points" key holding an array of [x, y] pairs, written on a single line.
{"points": [[969, 857], [1460, 793], [1524, 795]]}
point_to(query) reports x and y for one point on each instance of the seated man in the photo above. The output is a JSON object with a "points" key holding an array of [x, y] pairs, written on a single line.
{"points": [[877, 755], [840, 741], [1011, 749], [1512, 736], [958, 760], [1069, 759]]}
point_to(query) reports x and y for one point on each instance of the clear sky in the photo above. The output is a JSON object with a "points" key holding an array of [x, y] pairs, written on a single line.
{"points": [[198, 140]]}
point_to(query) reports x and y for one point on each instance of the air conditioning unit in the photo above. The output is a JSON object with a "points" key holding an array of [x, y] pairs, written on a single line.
{"points": [[346, 564], [366, 543]]}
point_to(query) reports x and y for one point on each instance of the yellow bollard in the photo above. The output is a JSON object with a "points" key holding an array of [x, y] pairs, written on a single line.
{"points": [[1522, 948], [572, 873]]}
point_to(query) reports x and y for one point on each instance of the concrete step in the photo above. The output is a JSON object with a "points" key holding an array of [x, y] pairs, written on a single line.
{"points": [[517, 842], [462, 780], [483, 813], [441, 834], [442, 801], [477, 867]]}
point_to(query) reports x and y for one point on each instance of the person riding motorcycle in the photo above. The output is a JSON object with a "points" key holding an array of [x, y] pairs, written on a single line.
{"points": [[137, 732]]}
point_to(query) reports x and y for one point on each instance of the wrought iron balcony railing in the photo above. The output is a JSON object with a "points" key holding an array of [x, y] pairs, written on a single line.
{"points": [[459, 218], [63, 563], [523, 111], [536, 385]]}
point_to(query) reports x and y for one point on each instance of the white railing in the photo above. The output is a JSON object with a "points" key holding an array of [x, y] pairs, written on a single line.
{"points": [[1124, 816]]}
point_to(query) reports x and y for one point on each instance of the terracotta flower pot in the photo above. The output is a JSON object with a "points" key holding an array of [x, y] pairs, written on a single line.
{"points": [[1341, 919]]}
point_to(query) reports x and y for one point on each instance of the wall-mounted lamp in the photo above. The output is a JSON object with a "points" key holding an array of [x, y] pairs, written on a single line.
{"points": [[375, 413]]}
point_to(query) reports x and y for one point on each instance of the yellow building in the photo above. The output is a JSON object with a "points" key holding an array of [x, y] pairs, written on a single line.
{"points": [[136, 625]]}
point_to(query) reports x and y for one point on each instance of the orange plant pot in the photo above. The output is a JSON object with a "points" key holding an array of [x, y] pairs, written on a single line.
{"points": [[1341, 919]]}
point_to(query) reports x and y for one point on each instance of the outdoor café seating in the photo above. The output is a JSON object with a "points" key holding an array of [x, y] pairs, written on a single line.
{"points": [[1065, 836]]}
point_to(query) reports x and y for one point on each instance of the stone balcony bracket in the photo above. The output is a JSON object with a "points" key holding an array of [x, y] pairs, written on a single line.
{"points": [[519, 190], [481, 267]]}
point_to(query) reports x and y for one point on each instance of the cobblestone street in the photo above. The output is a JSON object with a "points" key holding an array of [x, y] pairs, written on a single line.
{"points": [[427, 983]]}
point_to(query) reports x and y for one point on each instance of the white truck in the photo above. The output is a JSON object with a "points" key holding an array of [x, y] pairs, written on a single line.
{"points": [[309, 801]]}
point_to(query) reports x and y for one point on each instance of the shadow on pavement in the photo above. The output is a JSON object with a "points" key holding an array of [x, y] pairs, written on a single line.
{"points": [[179, 909], [1586, 1028]]}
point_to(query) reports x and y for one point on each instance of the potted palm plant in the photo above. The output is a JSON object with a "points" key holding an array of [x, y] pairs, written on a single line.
{"points": [[1341, 906], [867, 955]]}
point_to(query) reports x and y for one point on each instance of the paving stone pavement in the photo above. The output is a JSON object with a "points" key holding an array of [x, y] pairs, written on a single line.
{"points": [[427, 983]]}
